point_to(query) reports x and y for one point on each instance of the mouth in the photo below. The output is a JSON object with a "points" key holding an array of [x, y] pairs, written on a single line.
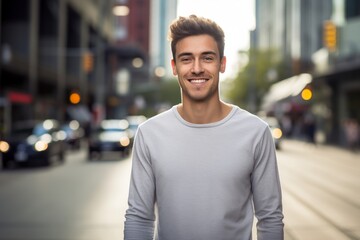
{"points": [[198, 80]]}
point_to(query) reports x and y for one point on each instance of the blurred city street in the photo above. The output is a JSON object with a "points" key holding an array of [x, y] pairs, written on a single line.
{"points": [[78, 200], [321, 195], [91, 71], [86, 200]]}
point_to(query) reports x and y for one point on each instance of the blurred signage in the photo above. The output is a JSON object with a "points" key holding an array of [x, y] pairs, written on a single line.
{"points": [[330, 35], [88, 61], [19, 97], [122, 82]]}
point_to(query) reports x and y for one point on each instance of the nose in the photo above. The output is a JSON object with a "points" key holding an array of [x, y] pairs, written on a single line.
{"points": [[197, 67]]}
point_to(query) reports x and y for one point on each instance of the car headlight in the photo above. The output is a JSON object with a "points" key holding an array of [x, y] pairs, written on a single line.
{"points": [[60, 135], [31, 140], [124, 141], [277, 133], [46, 138], [40, 146], [4, 146]]}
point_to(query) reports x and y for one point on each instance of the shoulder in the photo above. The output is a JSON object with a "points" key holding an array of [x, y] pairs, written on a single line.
{"points": [[160, 120], [247, 119]]}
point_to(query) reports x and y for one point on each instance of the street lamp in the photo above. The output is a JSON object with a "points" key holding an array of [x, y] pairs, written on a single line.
{"points": [[121, 10], [137, 62], [159, 72]]}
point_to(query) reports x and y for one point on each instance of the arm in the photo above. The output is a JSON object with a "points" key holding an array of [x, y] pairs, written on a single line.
{"points": [[140, 217], [267, 191]]}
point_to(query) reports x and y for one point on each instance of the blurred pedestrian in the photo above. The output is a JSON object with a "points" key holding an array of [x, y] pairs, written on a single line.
{"points": [[352, 133], [310, 128], [286, 124], [206, 165]]}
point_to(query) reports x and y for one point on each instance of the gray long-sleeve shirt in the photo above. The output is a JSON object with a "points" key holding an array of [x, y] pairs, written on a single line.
{"points": [[205, 179]]}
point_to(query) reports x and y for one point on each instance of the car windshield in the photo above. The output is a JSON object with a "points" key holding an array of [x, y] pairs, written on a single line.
{"points": [[37, 130], [100, 130], [112, 126]]}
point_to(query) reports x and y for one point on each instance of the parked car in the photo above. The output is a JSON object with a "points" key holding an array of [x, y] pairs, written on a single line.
{"points": [[134, 122], [275, 130], [111, 136], [33, 142], [74, 134]]}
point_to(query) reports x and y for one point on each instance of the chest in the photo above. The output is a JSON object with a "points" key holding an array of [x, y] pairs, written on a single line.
{"points": [[204, 155]]}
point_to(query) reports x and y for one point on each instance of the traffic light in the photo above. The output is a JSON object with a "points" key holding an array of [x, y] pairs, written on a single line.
{"points": [[88, 61], [74, 98], [330, 35]]}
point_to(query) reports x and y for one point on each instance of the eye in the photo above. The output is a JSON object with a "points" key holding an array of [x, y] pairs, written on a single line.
{"points": [[185, 59], [208, 58]]}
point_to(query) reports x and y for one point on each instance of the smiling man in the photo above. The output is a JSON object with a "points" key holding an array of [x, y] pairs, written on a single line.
{"points": [[204, 167]]}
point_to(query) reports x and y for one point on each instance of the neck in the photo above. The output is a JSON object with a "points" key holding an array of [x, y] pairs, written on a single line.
{"points": [[202, 113]]}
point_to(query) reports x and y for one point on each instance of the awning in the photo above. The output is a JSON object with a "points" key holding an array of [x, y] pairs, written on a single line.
{"points": [[289, 87]]}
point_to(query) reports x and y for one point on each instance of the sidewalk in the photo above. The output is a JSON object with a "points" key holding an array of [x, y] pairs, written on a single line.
{"points": [[320, 185], [294, 144]]}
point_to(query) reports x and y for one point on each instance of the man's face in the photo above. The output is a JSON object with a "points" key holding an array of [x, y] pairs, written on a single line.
{"points": [[198, 65]]}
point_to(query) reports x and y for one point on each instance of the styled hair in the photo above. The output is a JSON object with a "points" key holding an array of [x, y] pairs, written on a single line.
{"points": [[193, 25]]}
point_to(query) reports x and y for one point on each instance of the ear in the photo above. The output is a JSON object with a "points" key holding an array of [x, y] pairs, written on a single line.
{"points": [[173, 66], [223, 64]]}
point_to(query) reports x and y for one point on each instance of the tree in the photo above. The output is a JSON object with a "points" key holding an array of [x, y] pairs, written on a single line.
{"points": [[261, 69], [170, 92]]}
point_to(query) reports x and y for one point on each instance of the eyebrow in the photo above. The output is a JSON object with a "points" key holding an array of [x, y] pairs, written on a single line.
{"points": [[190, 54]]}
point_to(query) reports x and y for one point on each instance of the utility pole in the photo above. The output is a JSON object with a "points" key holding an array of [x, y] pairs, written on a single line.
{"points": [[99, 107], [253, 77]]}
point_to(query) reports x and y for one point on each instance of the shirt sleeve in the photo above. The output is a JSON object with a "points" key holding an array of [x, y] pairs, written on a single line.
{"points": [[140, 216], [267, 190]]}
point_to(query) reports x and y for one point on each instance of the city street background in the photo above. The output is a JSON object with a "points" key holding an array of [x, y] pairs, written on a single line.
{"points": [[75, 66], [87, 200]]}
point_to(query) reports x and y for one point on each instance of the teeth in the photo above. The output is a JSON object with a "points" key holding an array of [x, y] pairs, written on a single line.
{"points": [[198, 81]]}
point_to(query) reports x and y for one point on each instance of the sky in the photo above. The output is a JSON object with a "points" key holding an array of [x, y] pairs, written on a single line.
{"points": [[236, 17]]}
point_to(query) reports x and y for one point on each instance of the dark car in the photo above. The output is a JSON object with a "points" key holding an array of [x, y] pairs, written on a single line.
{"points": [[111, 136], [74, 134], [33, 142], [275, 130], [134, 122]]}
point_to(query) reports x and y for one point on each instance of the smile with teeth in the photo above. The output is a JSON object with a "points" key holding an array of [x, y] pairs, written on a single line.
{"points": [[197, 81]]}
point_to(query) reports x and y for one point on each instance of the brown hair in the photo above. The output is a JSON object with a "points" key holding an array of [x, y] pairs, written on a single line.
{"points": [[193, 25]]}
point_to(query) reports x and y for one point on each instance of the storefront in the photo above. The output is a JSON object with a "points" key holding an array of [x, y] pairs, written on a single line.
{"points": [[290, 101], [341, 95]]}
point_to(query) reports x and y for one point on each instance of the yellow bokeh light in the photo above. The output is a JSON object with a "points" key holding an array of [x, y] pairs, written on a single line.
{"points": [[121, 10], [277, 133], [75, 98], [306, 94], [4, 146]]}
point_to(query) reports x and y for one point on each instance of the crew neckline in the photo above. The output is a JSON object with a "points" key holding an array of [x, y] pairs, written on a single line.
{"points": [[204, 125]]}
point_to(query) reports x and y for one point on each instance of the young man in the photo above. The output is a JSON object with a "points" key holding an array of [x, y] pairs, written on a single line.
{"points": [[206, 165]]}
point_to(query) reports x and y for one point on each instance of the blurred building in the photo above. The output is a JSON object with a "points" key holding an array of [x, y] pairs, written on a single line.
{"points": [[105, 52], [337, 71], [163, 12], [293, 27], [143, 35], [50, 49], [128, 59], [319, 43]]}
